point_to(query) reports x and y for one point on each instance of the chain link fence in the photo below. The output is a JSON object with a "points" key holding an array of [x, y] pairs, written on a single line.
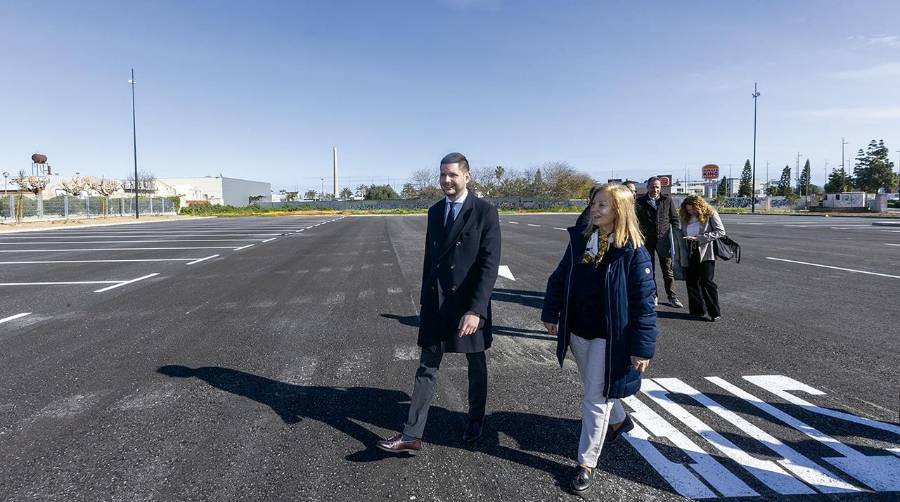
{"points": [[28, 207]]}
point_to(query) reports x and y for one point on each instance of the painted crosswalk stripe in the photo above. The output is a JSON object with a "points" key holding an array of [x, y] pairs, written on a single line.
{"points": [[766, 471], [871, 471], [780, 385], [799, 465], [685, 483]]}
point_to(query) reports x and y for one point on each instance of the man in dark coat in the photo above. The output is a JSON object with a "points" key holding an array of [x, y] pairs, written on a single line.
{"points": [[657, 215], [462, 258]]}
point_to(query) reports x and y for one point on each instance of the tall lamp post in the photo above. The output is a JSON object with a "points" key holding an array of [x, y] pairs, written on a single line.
{"points": [[6, 190], [753, 184], [134, 140]]}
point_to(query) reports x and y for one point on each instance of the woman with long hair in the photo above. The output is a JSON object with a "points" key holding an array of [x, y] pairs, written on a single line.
{"points": [[599, 302], [702, 226]]}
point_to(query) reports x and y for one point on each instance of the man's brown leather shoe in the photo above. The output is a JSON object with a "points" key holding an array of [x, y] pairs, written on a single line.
{"points": [[396, 444]]}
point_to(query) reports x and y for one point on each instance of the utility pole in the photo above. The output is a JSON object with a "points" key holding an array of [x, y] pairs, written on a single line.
{"points": [[334, 167], [798, 171], [753, 183], [842, 154], [134, 138]]}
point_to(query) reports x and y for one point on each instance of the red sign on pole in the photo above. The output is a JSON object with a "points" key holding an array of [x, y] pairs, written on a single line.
{"points": [[710, 172], [664, 179]]}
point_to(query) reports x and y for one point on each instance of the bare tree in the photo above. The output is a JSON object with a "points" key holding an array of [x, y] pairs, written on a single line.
{"points": [[562, 180], [104, 187], [75, 186], [146, 183]]}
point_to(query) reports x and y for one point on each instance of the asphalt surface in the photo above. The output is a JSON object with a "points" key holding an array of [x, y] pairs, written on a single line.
{"points": [[269, 371]]}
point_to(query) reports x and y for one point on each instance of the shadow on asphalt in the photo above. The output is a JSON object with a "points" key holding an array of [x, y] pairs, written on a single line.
{"points": [[413, 320], [344, 409], [533, 299]]}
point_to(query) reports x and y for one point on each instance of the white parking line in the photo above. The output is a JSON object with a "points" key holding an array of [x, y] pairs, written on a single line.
{"points": [[269, 240], [130, 242], [886, 244], [202, 259], [12, 317], [834, 268], [126, 282], [243, 247], [513, 222], [533, 225], [114, 249], [43, 262], [558, 228]]}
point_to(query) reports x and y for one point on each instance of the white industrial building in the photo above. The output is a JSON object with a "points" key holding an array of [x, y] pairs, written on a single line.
{"points": [[214, 190]]}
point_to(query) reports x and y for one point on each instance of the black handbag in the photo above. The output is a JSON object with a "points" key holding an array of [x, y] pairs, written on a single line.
{"points": [[725, 249]]}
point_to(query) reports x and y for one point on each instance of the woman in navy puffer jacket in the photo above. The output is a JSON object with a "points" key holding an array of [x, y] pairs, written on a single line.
{"points": [[599, 302]]}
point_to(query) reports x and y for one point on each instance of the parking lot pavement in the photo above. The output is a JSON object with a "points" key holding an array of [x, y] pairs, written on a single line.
{"points": [[269, 371], [42, 273]]}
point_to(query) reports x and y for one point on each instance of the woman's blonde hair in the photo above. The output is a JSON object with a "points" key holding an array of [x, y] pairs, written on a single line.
{"points": [[704, 210], [626, 228]]}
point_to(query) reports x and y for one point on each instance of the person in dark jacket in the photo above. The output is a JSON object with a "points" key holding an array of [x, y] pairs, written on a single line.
{"points": [[599, 303], [657, 215], [462, 259]]}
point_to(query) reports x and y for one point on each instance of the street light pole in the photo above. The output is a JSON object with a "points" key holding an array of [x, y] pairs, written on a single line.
{"points": [[134, 139], [753, 187]]}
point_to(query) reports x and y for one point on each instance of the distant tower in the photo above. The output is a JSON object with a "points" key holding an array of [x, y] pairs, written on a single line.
{"points": [[334, 168]]}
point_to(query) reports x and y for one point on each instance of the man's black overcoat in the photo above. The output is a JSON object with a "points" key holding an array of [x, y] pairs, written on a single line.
{"points": [[458, 275]]}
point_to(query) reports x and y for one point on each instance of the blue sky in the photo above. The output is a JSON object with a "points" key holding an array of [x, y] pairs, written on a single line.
{"points": [[263, 90]]}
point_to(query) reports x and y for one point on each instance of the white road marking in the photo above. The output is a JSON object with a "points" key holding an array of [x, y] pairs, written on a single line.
{"points": [[533, 225], [834, 268], [886, 244], [124, 242], [677, 475], [766, 471], [513, 222], [505, 272], [202, 259], [780, 385], [56, 283], [269, 240], [242, 247], [12, 317], [796, 463], [36, 262], [406, 353], [879, 473], [126, 283], [558, 228], [114, 249], [394, 291]]}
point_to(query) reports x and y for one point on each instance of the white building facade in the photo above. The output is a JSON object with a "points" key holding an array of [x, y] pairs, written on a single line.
{"points": [[216, 190]]}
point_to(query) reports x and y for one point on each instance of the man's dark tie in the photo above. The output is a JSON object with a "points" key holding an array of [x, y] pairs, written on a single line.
{"points": [[448, 223]]}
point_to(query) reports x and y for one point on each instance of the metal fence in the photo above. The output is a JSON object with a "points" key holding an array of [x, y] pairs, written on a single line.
{"points": [[30, 207], [500, 202]]}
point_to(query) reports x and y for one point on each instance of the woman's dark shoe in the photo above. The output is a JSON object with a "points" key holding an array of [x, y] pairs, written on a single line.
{"points": [[625, 426], [583, 479]]}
